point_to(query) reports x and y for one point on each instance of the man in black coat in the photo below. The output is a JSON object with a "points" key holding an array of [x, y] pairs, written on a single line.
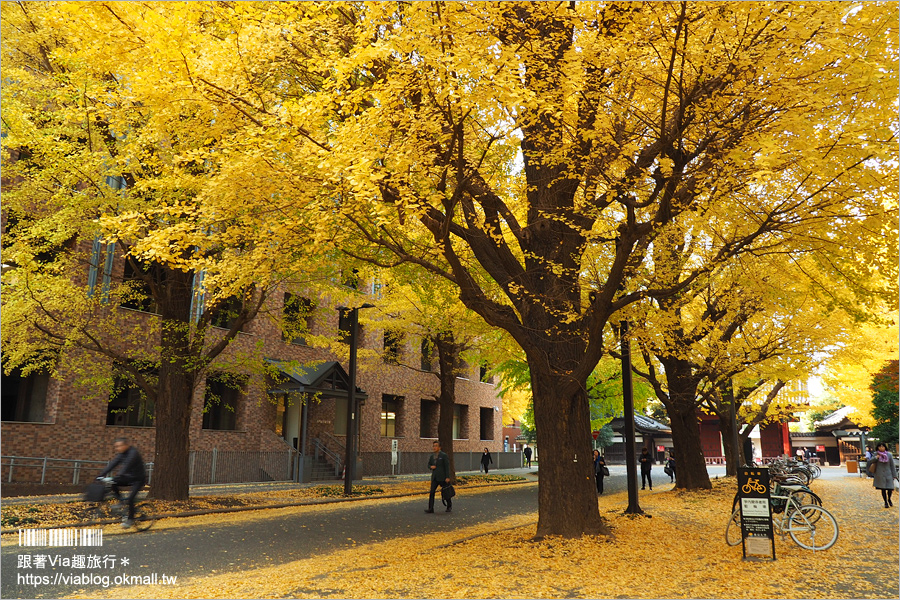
{"points": [[439, 463], [131, 473]]}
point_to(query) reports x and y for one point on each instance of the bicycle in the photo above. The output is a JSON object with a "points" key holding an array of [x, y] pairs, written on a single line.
{"points": [[799, 492], [810, 526], [108, 509]]}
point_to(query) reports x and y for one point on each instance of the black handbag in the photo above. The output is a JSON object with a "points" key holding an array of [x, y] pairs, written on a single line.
{"points": [[95, 492], [447, 492]]}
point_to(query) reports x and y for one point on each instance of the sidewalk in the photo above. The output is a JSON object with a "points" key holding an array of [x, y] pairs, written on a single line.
{"points": [[227, 489]]}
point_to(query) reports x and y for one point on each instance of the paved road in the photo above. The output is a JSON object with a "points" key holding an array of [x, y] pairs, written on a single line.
{"points": [[206, 548], [203, 549]]}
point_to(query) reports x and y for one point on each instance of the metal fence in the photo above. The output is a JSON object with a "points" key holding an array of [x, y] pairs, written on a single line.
{"points": [[31, 469], [206, 466], [379, 463], [232, 466]]}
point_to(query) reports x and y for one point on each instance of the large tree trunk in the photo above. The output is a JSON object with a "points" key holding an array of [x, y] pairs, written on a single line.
{"points": [[448, 357], [567, 493], [690, 466], [732, 462], [726, 428], [177, 378]]}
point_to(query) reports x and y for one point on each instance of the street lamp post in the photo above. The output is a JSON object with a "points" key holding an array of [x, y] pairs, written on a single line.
{"points": [[350, 458], [628, 397], [735, 439]]}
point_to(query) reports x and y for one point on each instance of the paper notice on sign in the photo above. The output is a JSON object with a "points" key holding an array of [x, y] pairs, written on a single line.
{"points": [[758, 546], [755, 507]]}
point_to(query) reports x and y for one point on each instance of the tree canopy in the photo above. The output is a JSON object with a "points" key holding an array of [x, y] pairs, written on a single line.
{"points": [[556, 162]]}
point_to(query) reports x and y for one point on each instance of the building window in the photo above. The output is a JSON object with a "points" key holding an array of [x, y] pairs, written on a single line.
{"points": [[460, 422], [136, 292], [487, 423], [463, 369], [280, 415], [297, 319], [483, 376], [226, 312], [350, 279], [390, 415], [393, 346], [128, 405], [24, 398], [429, 413], [220, 403], [427, 350]]}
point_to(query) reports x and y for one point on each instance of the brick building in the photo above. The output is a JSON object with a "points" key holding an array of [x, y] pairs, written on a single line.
{"points": [[46, 417]]}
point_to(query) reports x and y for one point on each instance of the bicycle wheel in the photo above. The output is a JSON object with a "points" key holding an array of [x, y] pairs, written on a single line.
{"points": [[812, 532], [143, 517], [109, 509], [807, 498], [802, 474], [733, 530], [88, 514]]}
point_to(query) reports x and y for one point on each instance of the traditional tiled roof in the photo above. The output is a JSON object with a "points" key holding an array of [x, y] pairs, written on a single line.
{"points": [[836, 418], [642, 423]]}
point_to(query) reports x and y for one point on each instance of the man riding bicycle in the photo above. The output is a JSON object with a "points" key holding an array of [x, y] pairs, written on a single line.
{"points": [[130, 473]]}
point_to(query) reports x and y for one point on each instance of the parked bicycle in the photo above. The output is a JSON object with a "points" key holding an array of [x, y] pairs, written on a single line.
{"points": [[802, 472], [810, 526], [104, 508], [802, 495]]}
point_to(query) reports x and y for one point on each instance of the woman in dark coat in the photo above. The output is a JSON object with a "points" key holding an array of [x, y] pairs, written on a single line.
{"points": [[486, 460], [646, 462], [670, 467], [599, 473], [885, 473]]}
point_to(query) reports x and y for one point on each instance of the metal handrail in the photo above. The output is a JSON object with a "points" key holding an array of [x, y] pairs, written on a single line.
{"points": [[334, 456], [333, 441], [45, 463]]}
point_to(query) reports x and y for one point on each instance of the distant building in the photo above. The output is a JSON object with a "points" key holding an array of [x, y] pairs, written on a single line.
{"points": [[836, 437], [649, 433]]}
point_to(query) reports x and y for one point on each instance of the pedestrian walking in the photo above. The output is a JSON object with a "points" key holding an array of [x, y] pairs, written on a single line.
{"points": [[439, 463], [670, 467], [600, 470], [885, 473], [527, 453], [486, 460], [646, 462]]}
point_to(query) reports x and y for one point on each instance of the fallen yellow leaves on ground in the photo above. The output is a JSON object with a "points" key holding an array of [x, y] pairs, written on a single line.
{"points": [[679, 552], [44, 514]]}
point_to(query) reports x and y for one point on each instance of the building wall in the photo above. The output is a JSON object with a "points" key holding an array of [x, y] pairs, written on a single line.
{"points": [[771, 438], [710, 437], [76, 427]]}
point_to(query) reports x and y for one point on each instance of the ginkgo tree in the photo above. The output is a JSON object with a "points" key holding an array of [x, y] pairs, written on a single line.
{"points": [[554, 153], [101, 177], [413, 304], [635, 123], [736, 340]]}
